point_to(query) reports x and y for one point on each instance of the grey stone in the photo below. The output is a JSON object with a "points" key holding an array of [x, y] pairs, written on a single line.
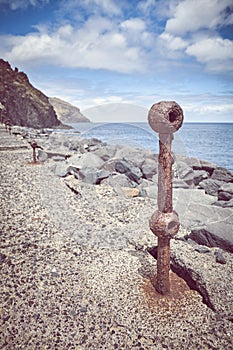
{"points": [[127, 168], [228, 204], [202, 249], [193, 205], [73, 171], [155, 179], [106, 152], [215, 234], [220, 257], [197, 164], [199, 175], [86, 160], [224, 204], [227, 188], [178, 183], [61, 169], [134, 155], [93, 175], [205, 165], [224, 196], [222, 174], [150, 191], [194, 163], [203, 274], [184, 172], [42, 156], [88, 175], [119, 180], [220, 203], [149, 168], [109, 165], [58, 158], [211, 186]]}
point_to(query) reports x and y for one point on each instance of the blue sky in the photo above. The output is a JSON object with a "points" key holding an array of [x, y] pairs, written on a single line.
{"points": [[94, 53]]}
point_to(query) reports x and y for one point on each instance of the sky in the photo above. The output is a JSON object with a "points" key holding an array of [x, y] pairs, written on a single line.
{"points": [[103, 54]]}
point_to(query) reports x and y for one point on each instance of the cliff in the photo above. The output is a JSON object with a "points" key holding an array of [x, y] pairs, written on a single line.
{"points": [[22, 103], [66, 112]]}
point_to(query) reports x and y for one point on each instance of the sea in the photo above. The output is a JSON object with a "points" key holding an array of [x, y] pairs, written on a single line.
{"points": [[206, 141]]}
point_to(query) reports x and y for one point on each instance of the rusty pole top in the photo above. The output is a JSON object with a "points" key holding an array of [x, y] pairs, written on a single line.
{"points": [[165, 117]]}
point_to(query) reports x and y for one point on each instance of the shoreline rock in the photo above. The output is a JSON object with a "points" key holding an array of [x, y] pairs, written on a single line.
{"points": [[96, 163]]}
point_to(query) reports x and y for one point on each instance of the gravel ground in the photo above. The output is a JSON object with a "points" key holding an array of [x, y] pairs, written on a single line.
{"points": [[72, 276]]}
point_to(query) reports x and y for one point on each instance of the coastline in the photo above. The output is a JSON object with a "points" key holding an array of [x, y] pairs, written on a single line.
{"points": [[209, 141], [62, 288]]}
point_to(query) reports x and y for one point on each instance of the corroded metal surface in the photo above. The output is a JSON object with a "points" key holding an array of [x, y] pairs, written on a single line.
{"points": [[165, 117], [34, 146], [164, 224]]}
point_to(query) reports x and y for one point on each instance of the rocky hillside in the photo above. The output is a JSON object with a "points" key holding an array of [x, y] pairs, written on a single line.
{"points": [[22, 103], [66, 112]]}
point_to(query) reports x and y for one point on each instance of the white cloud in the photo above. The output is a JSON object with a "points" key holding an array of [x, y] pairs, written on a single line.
{"points": [[134, 30], [134, 24], [99, 44], [193, 30], [22, 4], [154, 8], [193, 15], [108, 6], [213, 50], [172, 42]]}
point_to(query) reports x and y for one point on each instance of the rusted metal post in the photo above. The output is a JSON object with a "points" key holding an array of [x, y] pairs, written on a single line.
{"points": [[165, 117], [34, 145]]}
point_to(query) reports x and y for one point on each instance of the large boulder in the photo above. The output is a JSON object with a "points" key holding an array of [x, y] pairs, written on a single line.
{"points": [[215, 234], [225, 195], [197, 164], [136, 156], [149, 191], [127, 168], [199, 175], [204, 165], [226, 188], [210, 225], [61, 169], [211, 186], [92, 175], [149, 168], [118, 180], [222, 174], [194, 206], [105, 152], [183, 172], [86, 160]]}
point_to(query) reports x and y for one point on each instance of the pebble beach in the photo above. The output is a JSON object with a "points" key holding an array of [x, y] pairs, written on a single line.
{"points": [[75, 276]]}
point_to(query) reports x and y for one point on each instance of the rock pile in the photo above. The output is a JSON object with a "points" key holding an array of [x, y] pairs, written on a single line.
{"points": [[202, 191]]}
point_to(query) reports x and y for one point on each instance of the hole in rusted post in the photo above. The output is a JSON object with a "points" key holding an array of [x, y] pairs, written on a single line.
{"points": [[172, 116], [164, 117]]}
